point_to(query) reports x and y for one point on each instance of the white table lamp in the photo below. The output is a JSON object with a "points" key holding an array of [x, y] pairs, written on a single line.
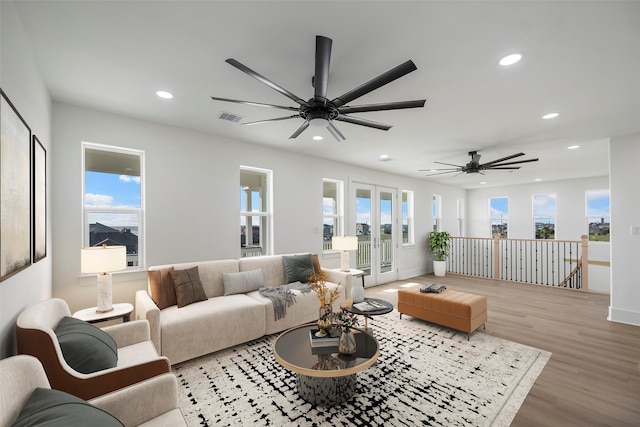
{"points": [[103, 260], [344, 244]]}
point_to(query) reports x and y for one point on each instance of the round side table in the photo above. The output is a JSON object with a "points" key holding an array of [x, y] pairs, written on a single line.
{"points": [[120, 311]]}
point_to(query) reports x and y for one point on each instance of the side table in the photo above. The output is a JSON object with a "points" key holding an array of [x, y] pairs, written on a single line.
{"points": [[89, 315]]}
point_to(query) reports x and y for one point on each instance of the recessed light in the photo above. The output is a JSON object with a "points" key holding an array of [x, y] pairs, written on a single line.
{"points": [[483, 182], [383, 156], [318, 138], [538, 179], [510, 59], [164, 94], [550, 116], [573, 147]]}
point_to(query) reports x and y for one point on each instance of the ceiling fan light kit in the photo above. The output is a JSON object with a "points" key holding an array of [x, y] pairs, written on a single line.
{"points": [[319, 111]]}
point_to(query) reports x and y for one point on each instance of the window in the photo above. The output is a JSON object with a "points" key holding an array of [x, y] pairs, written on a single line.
{"points": [[598, 222], [255, 212], [332, 211], [407, 217], [499, 214], [460, 216], [436, 207], [113, 199], [544, 216]]}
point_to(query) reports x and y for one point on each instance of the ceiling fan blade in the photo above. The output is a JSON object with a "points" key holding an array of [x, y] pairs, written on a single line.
{"points": [[266, 81], [439, 169], [295, 116], [442, 173], [301, 129], [257, 104], [448, 164], [321, 77], [495, 168], [363, 122], [503, 159], [385, 106], [375, 83], [335, 132], [516, 162]]}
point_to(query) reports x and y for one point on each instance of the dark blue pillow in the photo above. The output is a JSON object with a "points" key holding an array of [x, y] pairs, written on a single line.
{"points": [[55, 408], [85, 348]]}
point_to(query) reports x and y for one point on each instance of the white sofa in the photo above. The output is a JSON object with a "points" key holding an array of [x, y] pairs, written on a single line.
{"points": [[222, 320]]}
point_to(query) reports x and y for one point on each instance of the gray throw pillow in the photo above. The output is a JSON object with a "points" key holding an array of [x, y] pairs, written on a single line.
{"points": [[298, 268], [188, 286], [243, 282], [55, 408], [86, 348]]}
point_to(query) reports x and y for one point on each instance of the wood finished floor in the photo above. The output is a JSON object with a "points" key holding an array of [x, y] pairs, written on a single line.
{"points": [[593, 376]]}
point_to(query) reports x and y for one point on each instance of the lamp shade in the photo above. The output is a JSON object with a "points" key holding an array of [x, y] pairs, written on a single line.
{"points": [[103, 259], [344, 243]]}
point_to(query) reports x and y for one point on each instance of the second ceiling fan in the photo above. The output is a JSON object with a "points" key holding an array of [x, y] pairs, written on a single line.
{"points": [[319, 111], [474, 166]]}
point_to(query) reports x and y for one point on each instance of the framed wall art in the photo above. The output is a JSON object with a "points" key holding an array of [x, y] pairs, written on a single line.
{"points": [[39, 200], [15, 190]]}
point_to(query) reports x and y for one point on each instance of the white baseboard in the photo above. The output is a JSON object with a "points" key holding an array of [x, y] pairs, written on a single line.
{"points": [[624, 316]]}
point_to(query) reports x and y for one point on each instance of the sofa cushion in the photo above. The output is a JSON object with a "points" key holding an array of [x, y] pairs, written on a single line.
{"points": [[188, 286], [298, 268], [243, 282], [161, 286], [54, 408], [84, 347]]}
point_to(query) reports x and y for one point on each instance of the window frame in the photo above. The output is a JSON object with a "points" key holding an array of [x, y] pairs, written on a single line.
{"points": [[535, 217], [588, 222], [267, 247], [336, 218], [140, 212], [437, 215], [460, 216], [503, 221], [409, 218]]}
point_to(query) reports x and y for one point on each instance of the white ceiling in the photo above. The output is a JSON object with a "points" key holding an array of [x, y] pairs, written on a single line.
{"points": [[582, 59]]}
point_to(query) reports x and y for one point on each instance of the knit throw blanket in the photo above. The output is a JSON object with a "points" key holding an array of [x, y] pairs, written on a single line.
{"points": [[282, 296]]}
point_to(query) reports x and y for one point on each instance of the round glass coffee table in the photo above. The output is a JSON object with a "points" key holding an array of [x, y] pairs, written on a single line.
{"points": [[324, 377]]}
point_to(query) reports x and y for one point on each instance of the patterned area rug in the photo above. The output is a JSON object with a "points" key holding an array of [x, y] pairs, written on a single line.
{"points": [[425, 375]]}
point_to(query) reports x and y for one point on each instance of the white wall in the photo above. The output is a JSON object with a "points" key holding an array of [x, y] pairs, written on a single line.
{"points": [[570, 220], [625, 213], [23, 84], [192, 198]]}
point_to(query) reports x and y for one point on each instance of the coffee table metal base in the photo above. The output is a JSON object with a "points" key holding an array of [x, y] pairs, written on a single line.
{"points": [[326, 391]]}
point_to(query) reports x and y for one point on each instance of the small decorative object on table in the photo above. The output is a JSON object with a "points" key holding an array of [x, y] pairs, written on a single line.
{"points": [[345, 320], [318, 283]]}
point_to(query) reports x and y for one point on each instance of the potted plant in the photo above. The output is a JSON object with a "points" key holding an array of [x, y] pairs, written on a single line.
{"points": [[439, 245]]}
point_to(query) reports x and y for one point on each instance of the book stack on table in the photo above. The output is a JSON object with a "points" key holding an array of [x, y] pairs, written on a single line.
{"points": [[324, 341]]}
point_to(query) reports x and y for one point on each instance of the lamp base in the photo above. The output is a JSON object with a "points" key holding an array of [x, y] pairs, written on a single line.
{"points": [[344, 261], [104, 293]]}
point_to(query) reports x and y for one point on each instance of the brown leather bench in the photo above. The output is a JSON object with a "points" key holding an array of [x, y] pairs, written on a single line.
{"points": [[454, 309]]}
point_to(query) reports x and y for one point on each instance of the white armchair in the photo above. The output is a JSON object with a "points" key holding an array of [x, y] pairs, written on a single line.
{"points": [[153, 402]]}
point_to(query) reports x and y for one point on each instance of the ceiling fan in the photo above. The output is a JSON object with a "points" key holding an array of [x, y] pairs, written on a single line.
{"points": [[474, 166], [319, 111]]}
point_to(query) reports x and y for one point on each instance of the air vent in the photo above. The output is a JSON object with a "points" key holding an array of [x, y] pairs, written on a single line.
{"points": [[229, 117]]}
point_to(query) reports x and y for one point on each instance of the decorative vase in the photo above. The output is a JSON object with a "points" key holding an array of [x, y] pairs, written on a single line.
{"points": [[347, 342], [325, 319], [357, 293]]}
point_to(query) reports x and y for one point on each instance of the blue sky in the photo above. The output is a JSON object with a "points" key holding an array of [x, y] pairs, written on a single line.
{"points": [[598, 203], [106, 190]]}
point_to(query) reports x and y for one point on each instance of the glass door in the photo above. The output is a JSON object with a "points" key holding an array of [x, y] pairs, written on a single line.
{"points": [[375, 228]]}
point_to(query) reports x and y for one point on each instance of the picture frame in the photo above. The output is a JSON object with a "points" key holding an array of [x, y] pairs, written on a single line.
{"points": [[39, 200], [15, 190]]}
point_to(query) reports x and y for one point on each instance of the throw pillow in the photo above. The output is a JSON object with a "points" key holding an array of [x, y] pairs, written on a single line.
{"points": [[162, 291], [316, 263], [55, 408], [86, 348], [188, 286], [298, 268], [243, 282]]}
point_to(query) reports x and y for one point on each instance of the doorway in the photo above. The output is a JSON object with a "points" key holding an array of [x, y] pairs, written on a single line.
{"points": [[375, 227]]}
